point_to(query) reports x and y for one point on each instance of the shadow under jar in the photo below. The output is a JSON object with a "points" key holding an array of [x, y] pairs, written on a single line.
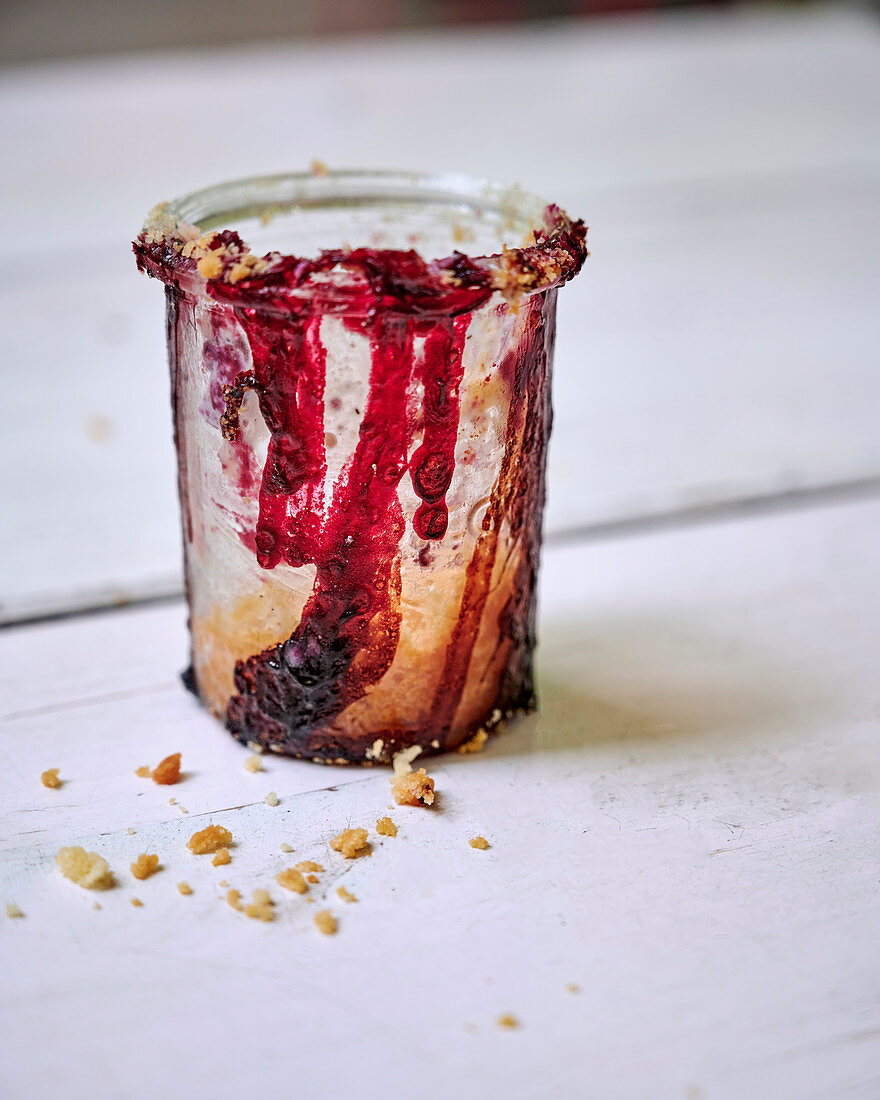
{"points": [[361, 398]]}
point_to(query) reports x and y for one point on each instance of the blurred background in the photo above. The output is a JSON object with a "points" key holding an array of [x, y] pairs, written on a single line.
{"points": [[718, 352]]}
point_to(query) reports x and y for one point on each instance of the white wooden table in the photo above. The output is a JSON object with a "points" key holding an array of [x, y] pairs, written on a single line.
{"points": [[688, 830]]}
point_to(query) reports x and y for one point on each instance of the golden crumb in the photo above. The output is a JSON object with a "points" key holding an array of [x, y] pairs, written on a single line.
{"points": [[572, 987], [476, 744], [401, 761], [209, 839], [508, 1020], [309, 865], [271, 799], [167, 771], [312, 879], [479, 842], [351, 843], [318, 168], [13, 911], [184, 888], [86, 869], [415, 789], [291, 879], [221, 858], [96, 905], [211, 265], [386, 827], [145, 866], [233, 898], [285, 847], [130, 831], [253, 763], [50, 779], [137, 903], [261, 908], [346, 895], [144, 771], [325, 922]]}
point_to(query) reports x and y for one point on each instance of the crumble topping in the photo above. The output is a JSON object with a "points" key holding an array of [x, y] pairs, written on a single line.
{"points": [[50, 779], [291, 879], [233, 898], [184, 888], [145, 865], [13, 911], [309, 865], [86, 869], [352, 843], [221, 858], [312, 878], [415, 789], [318, 168], [476, 744], [508, 1020], [167, 771], [386, 827], [209, 840], [261, 908], [144, 771], [325, 922], [345, 895], [271, 799], [285, 847], [374, 752], [137, 903], [253, 764], [478, 842]]}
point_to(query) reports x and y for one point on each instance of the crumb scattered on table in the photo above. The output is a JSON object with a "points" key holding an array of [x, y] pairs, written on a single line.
{"points": [[476, 744], [184, 888], [253, 763], [261, 908], [508, 1020], [96, 905], [386, 827], [309, 865], [130, 831], [145, 865], [50, 779], [144, 771], [351, 843], [286, 847], [401, 761], [291, 879], [209, 840], [319, 168], [312, 879], [325, 922], [86, 869], [233, 898], [137, 903], [222, 858], [271, 799], [415, 789], [13, 911], [346, 895], [478, 842], [572, 987], [167, 771]]}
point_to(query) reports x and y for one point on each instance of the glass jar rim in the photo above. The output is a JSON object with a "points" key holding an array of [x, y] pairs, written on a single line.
{"points": [[173, 247]]}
